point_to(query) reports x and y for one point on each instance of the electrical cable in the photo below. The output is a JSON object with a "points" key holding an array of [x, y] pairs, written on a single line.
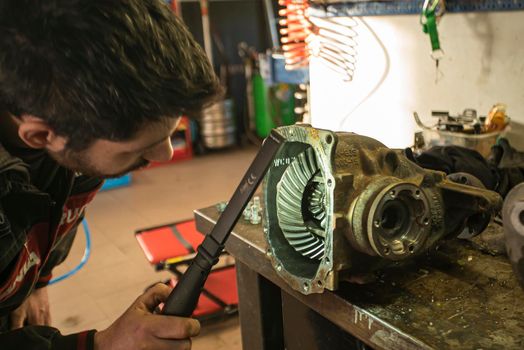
{"points": [[87, 253], [382, 78]]}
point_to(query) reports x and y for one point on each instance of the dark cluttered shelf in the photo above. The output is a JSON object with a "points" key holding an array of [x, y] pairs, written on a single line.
{"points": [[328, 8]]}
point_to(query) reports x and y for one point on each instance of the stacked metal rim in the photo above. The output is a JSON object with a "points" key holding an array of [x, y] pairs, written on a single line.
{"points": [[218, 127], [513, 216]]}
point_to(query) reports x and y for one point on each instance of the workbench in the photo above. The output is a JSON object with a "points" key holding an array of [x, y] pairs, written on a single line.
{"points": [[455, 298]]}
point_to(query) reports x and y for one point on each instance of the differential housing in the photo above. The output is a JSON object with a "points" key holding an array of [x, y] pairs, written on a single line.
{"points": [[339, 204]]}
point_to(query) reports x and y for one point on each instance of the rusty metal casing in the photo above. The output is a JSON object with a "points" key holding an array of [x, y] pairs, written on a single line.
{"points": [[339, 204]]}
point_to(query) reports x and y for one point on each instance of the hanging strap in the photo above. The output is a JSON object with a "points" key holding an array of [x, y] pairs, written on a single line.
{"points": [[431, 13]]}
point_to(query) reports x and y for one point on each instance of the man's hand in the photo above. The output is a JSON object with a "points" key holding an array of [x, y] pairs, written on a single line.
{"points": [[34, 311], [139, 328]]}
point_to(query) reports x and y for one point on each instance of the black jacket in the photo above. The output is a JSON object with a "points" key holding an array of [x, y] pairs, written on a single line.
{"points": [[41, 205]]}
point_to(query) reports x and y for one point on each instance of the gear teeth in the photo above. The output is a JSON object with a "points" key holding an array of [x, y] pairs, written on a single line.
{"points": [[290, 193]]}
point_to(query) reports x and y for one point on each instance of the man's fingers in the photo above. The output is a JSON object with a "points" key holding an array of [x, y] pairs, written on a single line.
{"points": [[139, 328], [33, 311], [47, 318], [153, 296], [40, 317], [17, 320], [164, 344], [166, 327], [173, 327]]}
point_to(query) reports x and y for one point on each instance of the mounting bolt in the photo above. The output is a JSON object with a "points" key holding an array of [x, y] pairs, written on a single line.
{"points": [[305, 287], [247, 212], [221, 207], [255, 216], [256, 203]]}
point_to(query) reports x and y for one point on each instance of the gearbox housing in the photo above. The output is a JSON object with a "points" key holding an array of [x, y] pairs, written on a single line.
{"points": [[338, 204]]}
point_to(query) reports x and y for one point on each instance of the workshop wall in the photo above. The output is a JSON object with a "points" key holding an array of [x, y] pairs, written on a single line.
{"points": [[231, 22], [395, 75]]}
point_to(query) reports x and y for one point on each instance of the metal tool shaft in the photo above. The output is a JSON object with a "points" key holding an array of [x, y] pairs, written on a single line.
{"points": [[183, 299]]}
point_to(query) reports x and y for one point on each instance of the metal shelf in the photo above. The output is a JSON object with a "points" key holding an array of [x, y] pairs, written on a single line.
{"points": [[395, 7]]}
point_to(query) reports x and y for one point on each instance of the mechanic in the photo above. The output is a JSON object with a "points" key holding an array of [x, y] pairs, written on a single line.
{"points": [[89, 89]]}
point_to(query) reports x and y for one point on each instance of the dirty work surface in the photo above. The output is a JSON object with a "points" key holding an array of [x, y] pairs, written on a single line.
{"points": [[456, 298]]}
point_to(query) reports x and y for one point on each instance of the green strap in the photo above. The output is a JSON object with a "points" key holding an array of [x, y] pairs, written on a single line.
{"points": [[430, 27], [429, 22]]}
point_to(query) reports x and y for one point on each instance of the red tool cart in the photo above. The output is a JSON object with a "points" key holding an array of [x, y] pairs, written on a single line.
{"points": [[172, 247]]}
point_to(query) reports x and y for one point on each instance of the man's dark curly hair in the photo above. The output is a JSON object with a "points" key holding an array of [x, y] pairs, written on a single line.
{"points": [[100, 68]]}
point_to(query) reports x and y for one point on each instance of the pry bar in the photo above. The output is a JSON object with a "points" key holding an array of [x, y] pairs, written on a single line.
{"points": [[184, 298]]}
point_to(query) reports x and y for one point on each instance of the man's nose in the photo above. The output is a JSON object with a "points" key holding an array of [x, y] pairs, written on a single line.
{"points": [[163, 152]]}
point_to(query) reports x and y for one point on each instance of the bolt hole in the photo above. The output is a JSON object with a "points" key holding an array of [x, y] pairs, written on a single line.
{"points": [[392, 193], [417, 193], [305, 286], [394, 218], [319, 283], [426, 221], [329, 139], [411, 248], [329, 182], [386, 251]]}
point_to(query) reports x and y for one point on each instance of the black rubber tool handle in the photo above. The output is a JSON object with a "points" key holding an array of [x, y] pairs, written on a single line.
{"points": [[184, 298]]}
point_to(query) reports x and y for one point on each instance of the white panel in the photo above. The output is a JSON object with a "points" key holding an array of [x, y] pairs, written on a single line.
{"points": [[483, 65]]}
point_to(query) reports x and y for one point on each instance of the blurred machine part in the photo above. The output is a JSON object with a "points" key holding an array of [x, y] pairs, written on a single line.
{"points": [[275, 96], [218, 127], [469, 122], [302, 103], [513, 218], [332, 39], [340, 204], [295, 29], [467, 129], [497, 119], [273, 103]]}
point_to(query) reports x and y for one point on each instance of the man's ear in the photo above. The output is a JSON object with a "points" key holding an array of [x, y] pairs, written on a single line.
{"points": [[36, 133]]}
